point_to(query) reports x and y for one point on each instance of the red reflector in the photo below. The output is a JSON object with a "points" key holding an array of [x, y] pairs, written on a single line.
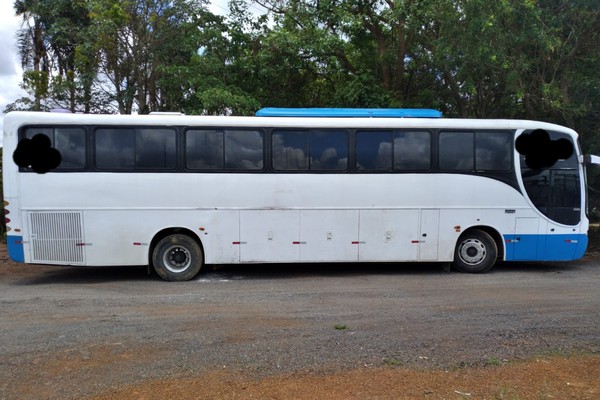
{"points": [[7, 220], [137, 244]]}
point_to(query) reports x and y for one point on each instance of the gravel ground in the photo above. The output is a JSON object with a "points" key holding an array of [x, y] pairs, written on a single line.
{"points": [[81, 332]]}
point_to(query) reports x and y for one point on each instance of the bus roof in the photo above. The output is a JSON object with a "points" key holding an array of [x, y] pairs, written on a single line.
{"points": [[350, 112]]}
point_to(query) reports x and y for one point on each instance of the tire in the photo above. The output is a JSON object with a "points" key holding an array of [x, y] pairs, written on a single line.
{"points": [[475, 252], [177, 258]]}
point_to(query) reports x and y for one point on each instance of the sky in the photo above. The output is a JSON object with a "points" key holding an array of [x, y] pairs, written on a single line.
{"points": [[10, 65]]}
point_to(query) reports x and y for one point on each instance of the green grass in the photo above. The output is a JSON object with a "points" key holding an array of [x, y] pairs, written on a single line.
{"points": [[493, 361], [393, 362]]}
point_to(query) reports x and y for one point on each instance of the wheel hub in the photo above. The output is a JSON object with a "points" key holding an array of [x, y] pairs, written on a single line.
{"points": [[472, 251], [177, 259]]}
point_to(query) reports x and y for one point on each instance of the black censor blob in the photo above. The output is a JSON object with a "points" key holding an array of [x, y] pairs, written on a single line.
{"points": [[37, 153], [542, 152]]}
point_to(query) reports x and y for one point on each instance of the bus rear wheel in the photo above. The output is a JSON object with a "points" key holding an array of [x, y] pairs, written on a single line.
{"points": [[177, 257], [475, 252]]}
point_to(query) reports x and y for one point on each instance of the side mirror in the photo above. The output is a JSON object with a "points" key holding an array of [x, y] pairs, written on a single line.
{"points": [[591, 160]]}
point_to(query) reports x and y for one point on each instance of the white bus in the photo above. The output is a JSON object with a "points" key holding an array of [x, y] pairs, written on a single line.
{"points": [[291, 185]]}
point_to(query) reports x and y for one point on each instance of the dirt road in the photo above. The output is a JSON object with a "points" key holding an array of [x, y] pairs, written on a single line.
{"points": [[302, 331]]}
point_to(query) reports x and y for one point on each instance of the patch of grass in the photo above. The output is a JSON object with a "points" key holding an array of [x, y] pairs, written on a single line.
{"points": [[393, 362], [462, 365], [341, 327], [493, 362], [504, 393]]}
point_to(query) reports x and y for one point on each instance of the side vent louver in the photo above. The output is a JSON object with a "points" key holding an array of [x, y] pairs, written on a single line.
{"points": [[56, 237]]}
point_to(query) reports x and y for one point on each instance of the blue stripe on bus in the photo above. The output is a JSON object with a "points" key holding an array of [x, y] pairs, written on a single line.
{"points": [[562, 247], [15, 248], [350, 112]]}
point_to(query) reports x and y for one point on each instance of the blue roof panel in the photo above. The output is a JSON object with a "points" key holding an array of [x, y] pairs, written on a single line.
{"points": [[350, 112]]}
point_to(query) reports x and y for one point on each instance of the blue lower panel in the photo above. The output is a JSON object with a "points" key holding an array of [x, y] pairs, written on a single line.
{"points": [[545, 247], [15, 248]]}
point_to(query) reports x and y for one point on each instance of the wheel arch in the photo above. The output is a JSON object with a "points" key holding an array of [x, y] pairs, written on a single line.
{"points": [[493, 232], [170, 231]]}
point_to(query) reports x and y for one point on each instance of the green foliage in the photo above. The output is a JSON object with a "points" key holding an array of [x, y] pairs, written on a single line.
{"points": [[477, 58]]}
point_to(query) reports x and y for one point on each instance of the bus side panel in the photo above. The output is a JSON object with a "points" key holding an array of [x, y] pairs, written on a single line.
{"points": [[269, 235], [560, 247], [122, 237], [329, 235], [221, 235], [536, 239], [389, 235]]}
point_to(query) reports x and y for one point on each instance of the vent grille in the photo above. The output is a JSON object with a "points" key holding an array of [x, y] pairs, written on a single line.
{"points": [[56, 237]]}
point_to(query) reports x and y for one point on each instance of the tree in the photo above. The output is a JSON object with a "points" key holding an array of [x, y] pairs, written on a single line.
{"points": [[137, 40], [32, 48]]}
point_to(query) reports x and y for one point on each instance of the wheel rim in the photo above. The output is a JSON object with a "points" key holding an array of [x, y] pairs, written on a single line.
{"points": [[472, 252], [177, 259]]}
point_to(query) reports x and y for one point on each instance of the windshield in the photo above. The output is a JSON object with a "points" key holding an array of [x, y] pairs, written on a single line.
{"points": [[553, 185]]}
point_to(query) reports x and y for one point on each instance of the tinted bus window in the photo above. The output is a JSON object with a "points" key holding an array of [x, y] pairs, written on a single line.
{"points": [[316, 150], [412, 151], [243, 150], [211, 149], [290, 150], [70, 142], [456, 151], [555, 190], [374, 150], [204, 149], [156, 149], [493, 151], [328, 150], [130, 148], [115, 148]]}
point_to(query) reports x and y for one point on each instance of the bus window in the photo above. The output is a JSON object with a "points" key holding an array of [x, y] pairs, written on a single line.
{"points": [[115, 148], [204, 149], [493, 151], [70, 142], [243, 150], [374, 150], [316, 150], [456, 151], [328, 150], [131, 149], [412, 150], [156, 149], [555, 191], [481, 151], [290, 150]]}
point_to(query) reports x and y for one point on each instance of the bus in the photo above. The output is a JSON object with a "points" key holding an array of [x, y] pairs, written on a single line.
{"points": [[177, 192]]}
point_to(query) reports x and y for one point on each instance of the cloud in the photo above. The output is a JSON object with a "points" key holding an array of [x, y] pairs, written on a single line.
{"points": [[10, 69], [9, 24]]}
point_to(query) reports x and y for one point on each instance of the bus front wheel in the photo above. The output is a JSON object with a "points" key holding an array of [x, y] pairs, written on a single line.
{"points": [[475, 252], [177, 258]]}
